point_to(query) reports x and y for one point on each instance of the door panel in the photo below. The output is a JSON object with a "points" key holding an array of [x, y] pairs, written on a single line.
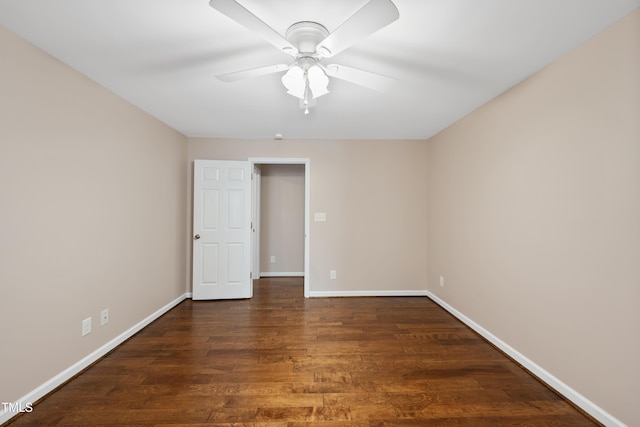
{"points": [[222, 230], [210, 264], [236, 260], [211, 199], [236, 209]]}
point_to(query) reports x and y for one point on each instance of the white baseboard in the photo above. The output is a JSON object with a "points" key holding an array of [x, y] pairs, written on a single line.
{"points": [[394, 293], [282, 274], [576, 398], [47, 387]]}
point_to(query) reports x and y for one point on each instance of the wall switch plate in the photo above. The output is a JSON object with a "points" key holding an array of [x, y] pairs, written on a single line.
{"points": [[104, 317], [273, 259], [320, 216], [86, 326], [442, 281], [332, 275]]}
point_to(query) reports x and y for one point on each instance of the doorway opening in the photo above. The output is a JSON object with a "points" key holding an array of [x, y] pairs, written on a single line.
{"points": [[267, 264]]}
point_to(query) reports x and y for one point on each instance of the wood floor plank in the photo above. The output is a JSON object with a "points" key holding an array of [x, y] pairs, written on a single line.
{"points": [[280, 360]]}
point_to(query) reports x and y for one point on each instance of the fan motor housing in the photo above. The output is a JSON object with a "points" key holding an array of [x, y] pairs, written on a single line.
{"points": [[306, 35]]}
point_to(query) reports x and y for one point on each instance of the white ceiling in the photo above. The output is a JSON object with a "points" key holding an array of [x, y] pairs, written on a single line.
{"points": [[448, 56]]}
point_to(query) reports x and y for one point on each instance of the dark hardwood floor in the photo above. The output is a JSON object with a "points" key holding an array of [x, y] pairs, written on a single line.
{"points": [[279, 360]]}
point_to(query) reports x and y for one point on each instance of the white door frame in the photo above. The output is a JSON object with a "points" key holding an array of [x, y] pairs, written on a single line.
{"points": [[307, 197], [255, 221]]}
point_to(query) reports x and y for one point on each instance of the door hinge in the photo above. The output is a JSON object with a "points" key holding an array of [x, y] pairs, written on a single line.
{"points": [[250, 275]]}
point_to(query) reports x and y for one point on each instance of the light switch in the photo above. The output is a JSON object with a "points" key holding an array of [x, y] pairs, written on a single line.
{"points": [[320, 216]]}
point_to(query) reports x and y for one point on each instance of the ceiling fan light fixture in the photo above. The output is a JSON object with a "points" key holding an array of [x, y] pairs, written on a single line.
{"points": [[306, 82]]}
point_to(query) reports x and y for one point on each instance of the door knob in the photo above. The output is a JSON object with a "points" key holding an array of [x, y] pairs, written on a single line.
{"points": [[197, 236]]}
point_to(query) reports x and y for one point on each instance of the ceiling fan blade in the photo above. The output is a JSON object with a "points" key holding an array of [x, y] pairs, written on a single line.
{"points": [[242, 16], [367, 79], [373, 16], [252, 73]]}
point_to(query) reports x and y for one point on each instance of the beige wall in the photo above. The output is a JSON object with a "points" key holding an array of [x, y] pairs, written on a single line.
{"points": [[534, 218], [373, 194], [92, 215], [282, 218]]}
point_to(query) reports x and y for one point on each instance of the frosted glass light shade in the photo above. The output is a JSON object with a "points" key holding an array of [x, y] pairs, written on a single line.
{"points": [[295, 82], [318, 81]]}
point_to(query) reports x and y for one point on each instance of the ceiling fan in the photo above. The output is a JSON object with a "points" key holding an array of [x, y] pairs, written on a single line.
{"points": [[309, 43]]}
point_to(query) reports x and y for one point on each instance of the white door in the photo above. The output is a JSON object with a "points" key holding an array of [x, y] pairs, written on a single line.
{"points": [[221, 230]]}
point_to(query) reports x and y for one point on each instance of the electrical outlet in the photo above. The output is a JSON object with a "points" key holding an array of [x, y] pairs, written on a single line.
{"points": [[86, 326], [273, 259], [442, 281], [332, 275], [104, 317]]}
